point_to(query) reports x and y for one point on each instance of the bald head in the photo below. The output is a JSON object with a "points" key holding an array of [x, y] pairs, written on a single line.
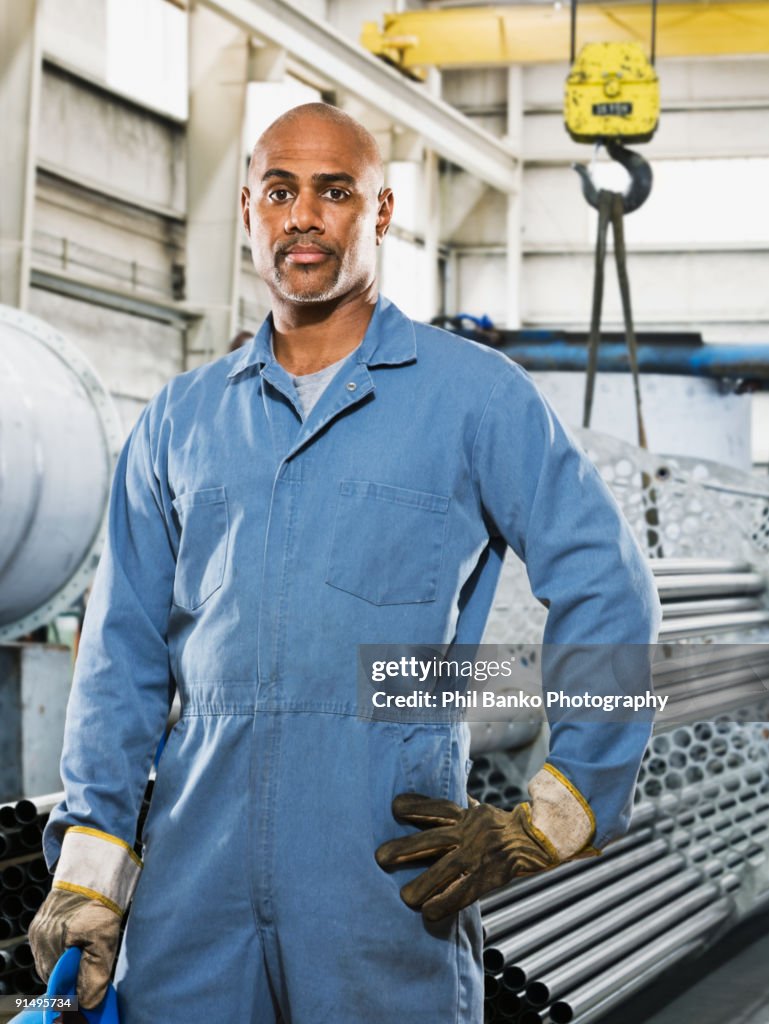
{"points": [[310, 119], [315, 207]]}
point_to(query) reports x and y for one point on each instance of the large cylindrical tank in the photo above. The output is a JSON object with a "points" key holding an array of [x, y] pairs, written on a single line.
{"points": [[59, 437]]}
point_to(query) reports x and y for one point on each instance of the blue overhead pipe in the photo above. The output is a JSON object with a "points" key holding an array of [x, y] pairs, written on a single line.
{"points": [[683, 353], [736, 362], [747, 365]]}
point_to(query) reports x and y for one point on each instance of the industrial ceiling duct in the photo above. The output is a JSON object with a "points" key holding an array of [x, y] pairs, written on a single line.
{"points": [[59, 437]]}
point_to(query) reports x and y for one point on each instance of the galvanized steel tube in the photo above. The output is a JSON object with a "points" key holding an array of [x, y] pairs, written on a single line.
{"points": [[721, 681], [25, 811], [704, 705], [699, 660], [508, 949], [710, 606], [553, 984], [683, 670], [678, 629], [619, 993], [689, 566], [507, 917], [508, 1004], [524, 887], [529, 968], [688, 585], [20, 841], [685, 936]]}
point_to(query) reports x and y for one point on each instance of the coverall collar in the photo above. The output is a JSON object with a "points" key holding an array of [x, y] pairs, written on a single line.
{"points": [[389, 341]]}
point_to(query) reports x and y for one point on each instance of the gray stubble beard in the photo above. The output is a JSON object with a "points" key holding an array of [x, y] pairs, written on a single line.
{"points": [[328, 293]]}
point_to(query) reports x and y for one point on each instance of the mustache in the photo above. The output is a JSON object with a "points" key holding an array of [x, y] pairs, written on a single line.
{"points": [[283, 247]]}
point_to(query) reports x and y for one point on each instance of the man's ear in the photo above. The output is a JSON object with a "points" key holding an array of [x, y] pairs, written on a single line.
{"points": [[386, 201], [245, 208]]}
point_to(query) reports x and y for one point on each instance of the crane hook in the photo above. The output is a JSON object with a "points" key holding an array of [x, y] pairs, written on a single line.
{"points": [[639, 170]]}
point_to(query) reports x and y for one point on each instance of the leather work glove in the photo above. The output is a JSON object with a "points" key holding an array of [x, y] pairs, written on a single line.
{"points": [[483, 848], [94, 881]]}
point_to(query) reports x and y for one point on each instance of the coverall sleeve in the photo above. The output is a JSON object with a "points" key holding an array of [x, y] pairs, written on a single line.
{"points": [[120, 693], [546, 499]]}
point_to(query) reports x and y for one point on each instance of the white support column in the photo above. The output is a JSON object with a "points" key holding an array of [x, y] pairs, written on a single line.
{"points": [[432, 224], [267, 63], [451, 283], [218, 74], [20, 61], [514, 240]]}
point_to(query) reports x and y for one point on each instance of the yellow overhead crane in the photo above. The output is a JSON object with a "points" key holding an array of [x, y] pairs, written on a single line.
{"points": [[517, 34], [611, 95], [612, 91]]}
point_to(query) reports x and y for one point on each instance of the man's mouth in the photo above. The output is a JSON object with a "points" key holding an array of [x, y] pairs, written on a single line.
{"points": [[304, 254]]}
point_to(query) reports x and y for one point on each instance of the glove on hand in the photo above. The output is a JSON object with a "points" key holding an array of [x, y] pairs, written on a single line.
{"points": [[94, 881], [482, 848], [71, 919]]}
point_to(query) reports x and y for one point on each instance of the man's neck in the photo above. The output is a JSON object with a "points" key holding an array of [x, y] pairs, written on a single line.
{"points": [[307, 337]]}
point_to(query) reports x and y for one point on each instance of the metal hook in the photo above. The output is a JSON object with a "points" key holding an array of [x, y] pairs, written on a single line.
{"points": [[640, 177]]}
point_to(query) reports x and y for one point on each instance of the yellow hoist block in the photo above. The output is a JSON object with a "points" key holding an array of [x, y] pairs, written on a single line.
{"points": [[612, 92]]}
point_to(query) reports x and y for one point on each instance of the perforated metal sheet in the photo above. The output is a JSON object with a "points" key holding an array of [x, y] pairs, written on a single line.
{"points": [[677, 506]]}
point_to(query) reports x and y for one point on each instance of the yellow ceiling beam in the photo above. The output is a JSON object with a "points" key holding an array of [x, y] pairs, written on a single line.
{"points": [[482, 36]]}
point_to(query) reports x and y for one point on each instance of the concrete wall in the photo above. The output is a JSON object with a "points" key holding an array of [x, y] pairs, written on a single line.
{"points": [[106, 142], [102, 241], [109, 216]]}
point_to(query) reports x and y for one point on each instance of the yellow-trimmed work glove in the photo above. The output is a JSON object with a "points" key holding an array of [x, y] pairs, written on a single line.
{"points": [[94, 881], [483, 848]]}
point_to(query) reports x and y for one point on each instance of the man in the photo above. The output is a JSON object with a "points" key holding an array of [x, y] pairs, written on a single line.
{"points": [[349, 477]]}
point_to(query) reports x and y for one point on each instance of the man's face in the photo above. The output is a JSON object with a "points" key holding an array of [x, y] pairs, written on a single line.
{"points": [[314, 212]]}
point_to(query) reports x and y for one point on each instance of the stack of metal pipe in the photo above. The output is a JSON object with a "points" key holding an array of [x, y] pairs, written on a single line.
{"points": [[704, 601], [708, 596], [24, 884], [571, 944], [17, 971], [706, 681]]}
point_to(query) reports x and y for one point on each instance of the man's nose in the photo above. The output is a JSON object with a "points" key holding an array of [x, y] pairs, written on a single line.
{"points": [[304, 213]]}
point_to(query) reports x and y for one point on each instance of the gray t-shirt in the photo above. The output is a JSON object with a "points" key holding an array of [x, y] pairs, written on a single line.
{"points": [[310, 386]]}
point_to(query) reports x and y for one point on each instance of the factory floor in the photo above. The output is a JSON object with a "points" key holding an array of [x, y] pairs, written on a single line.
{"points": [[728, 985]]}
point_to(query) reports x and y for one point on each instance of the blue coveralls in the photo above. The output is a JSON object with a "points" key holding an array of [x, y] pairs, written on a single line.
{"points": [[248, 554]]}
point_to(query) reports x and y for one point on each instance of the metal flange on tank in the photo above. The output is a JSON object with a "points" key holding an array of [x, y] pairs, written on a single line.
{"points": [[60, 435]]}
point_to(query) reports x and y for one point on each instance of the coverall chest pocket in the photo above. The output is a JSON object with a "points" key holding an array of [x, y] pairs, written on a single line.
{"points": [[387, 545], [203, 546]]}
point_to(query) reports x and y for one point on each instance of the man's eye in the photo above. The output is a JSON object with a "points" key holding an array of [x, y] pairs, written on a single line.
{"points": [[336, 194], [279, 194]]}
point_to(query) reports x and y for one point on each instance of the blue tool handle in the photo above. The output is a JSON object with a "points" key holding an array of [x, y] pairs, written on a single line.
{"points": [[63, 982]]}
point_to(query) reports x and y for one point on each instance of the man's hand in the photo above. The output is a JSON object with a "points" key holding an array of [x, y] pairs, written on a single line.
{"points": [[95, 879], [71, 919], [482, 848]]}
